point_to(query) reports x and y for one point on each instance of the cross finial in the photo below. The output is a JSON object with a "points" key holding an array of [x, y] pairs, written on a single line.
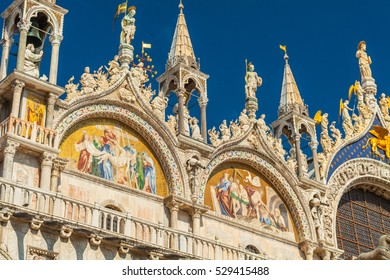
{"points": [[181, 7]]}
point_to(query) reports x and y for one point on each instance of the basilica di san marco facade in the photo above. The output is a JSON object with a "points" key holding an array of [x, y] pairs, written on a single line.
{"points": [[98, 169]]}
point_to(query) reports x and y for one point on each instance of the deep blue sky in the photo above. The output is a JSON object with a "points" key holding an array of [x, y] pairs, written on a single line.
{"points": [[321, 39]]}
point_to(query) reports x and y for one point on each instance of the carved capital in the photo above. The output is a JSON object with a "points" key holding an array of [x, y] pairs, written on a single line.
{"points": [[95, 240], [5, 215], [196, 213], [51, 100], [66, 232], [18, 87], [24, 24], [56, 39], [308, 250], [59, 164], [10, 147], [313, 145], [36, 223], [203, 101], [47, 159]]}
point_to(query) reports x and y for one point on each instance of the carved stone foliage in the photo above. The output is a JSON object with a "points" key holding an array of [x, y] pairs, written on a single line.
{"points": [[150, 135], [94, 82], [356, 170], [126, 95], [287, 192]]}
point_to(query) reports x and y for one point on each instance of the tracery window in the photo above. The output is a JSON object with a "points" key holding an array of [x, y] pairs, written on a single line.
{"points": [[362, 217]]}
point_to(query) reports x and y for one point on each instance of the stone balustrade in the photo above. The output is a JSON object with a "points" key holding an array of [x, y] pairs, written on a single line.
{"points": [[29, 131], [113, 223]]}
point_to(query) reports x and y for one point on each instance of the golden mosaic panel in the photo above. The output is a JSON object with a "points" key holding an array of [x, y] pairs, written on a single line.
{"points": [[110, 150], [241, 193]]}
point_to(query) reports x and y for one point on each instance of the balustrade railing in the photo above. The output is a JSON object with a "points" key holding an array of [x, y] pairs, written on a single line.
{"points": [[144, 232], [29, 131]]}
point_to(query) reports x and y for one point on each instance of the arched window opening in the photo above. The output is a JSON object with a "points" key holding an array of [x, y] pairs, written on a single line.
{"points": [[252, 249], [362, 217]]}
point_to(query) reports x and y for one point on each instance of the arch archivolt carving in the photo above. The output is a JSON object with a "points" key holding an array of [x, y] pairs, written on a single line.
{"points": [[294, 200], [10, 30], [106, 109], [199, 85], [51, 17], [350, 174]]}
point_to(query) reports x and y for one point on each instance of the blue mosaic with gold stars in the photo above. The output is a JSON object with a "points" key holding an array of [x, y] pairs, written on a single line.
{"points": [[355, 150]]}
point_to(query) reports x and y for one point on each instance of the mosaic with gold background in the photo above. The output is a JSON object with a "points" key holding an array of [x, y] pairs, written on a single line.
{"points": [[239, 192], [110, 150]]}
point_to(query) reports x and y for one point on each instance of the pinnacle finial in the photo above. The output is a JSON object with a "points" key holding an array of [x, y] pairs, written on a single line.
{"points": [[284, 48], [181, 7]]}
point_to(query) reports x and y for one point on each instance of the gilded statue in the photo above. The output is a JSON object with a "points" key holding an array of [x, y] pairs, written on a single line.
{"points": [[381, 141], [128, 27], [364, 61]]}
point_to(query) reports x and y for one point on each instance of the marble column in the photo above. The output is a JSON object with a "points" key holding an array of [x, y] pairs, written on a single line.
{"points": [[173, 222], [46, 166], [180, 97], [51, 100], [313, 146], [8, 162], [297, 151], [24, 27], [55, 40], [7, 43], [196, 215], [18, 88], [59, 165], [203, 105]]}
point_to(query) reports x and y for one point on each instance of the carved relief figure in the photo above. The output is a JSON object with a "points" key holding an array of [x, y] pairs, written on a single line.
{"points": [[235, 128], [261, 123], [347, 122], [225, 131], [172, 123], [384, 104], [88, 82], [336, 134], [244, 121], [31, 61], [364, 61], [317, 215], [159, 104], [253, 81], [114, 70], [214, 137], [71, 89]]}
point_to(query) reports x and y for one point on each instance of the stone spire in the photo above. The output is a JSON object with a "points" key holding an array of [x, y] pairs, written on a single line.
{"points": [[181, 49], [290, 96]]}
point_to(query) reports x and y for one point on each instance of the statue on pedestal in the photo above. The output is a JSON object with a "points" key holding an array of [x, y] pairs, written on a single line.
{"points": [[253, 81], [128, 27], [364, 61]]}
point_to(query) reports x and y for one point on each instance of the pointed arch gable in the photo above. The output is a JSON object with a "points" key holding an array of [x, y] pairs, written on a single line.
{"points": [[290, 194], [159, 146]]}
